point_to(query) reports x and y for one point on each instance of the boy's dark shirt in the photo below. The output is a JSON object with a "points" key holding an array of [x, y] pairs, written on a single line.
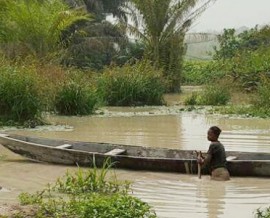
{"points": [[218, 154]]}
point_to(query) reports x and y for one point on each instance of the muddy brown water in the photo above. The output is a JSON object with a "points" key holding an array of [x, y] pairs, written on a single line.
{"points": [[170, 194]]}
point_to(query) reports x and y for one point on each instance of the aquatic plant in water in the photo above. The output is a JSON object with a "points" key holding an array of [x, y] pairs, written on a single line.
{"points": [[87, 193]]}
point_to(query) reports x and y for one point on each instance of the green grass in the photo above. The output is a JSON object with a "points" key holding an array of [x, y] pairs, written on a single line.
{"points": [[19, 94], [132, 85], [76, 96], [211, 95]]}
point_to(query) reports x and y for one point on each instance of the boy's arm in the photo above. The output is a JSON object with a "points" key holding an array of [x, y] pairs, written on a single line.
{"points": [[206, 160]]}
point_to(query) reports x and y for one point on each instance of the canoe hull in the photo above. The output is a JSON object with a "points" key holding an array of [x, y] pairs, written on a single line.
{"points": [[149, 159], [251, 168], [54, 155]]}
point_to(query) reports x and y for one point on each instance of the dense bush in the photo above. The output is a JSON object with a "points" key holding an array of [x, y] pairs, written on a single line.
{"points": [[211, 95], [19, 94], [214, 95], [244, 57], [263, 95], [247, 68], [232, 44], [132, 85], [35, 27], [75, 97], [201, 72]]}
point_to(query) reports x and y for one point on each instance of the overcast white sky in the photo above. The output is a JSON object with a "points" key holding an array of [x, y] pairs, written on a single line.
{"points": [[233, 14]]}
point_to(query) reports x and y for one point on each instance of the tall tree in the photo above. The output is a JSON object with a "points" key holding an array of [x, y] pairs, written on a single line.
{"points": [[232, 44], [100, 8], [162, 25], [99, 42]]}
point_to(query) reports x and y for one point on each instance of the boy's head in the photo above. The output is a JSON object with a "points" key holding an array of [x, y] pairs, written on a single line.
{"points": [[213, 133]]}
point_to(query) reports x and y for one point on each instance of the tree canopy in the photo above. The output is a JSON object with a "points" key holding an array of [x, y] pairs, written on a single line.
{"points": [[162, 25]]}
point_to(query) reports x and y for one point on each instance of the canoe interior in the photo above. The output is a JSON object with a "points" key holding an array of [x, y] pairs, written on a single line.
{"points": [[137, 151]]}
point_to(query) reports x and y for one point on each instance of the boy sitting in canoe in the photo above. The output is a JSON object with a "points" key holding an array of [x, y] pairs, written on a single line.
{"points": [[216, 156]]}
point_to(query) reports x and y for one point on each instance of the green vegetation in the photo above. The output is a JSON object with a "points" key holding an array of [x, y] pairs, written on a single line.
{"points": [[214, 95], [162, 25], [30, 90], [138, 84], [98, 43], [263, 95], [35, 27], [258, 107], [40, 36], [86, 193], [201, 72], [211, 95], [127, 72], [241, 65], [245, 57], [263, 213], [75, 97], [19, 94]]}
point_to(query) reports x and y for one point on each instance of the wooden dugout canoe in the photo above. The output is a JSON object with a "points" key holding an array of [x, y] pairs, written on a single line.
{"points": [[66, 152]]}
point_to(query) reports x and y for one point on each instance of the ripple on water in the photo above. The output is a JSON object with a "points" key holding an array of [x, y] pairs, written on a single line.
{"points": [[204, 198]]}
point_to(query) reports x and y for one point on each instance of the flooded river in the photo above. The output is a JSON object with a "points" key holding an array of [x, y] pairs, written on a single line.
{"points": [[170, 194]]}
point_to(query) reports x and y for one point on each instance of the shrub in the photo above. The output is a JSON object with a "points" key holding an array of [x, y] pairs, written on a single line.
{"points": [[115, 205], [191, 99], [90, 181], [262, 213], [87, 193], [263, 95], [19, 94], [214, 95], [247, 68], [50, 76], [75, 97], [132, 85], [200, 72], [211, 95]]}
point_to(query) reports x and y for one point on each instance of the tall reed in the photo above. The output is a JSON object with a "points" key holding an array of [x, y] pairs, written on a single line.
{"points": [[19, 94], [76, 96], [132, 85]]}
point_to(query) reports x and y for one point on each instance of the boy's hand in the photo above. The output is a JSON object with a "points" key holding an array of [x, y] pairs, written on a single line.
{"points": [[200, 160]]}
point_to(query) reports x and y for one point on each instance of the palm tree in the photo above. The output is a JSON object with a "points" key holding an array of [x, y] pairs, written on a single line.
{"points": [[162, 25]]}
